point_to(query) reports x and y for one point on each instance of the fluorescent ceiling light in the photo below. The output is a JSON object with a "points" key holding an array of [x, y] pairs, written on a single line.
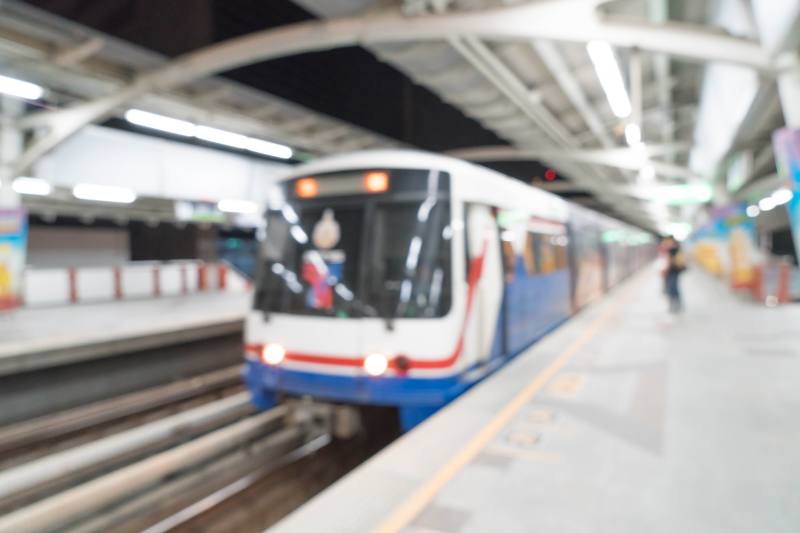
{"points": [[104, 193], [237, 206], [221, 137], [607, 69], [187, 129], [753, 211], [781, 196], [267, 148], [633, 134], [767, 204], [19, 88], [35, 186], [158, 122]]}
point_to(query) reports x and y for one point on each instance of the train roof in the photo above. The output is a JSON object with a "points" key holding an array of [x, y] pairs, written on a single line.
{"points": [[411, 159], [418, 159]]}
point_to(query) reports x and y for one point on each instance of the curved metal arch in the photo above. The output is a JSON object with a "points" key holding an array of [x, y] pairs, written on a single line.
{"points": [[562, 20]]}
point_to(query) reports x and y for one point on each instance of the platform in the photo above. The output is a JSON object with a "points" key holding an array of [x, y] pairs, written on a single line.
{"points": [[619, 421], [38, 338]]}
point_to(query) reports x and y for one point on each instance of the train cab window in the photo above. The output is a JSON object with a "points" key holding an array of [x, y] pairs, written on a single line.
{"points": [[310, 260], [409, 260]]}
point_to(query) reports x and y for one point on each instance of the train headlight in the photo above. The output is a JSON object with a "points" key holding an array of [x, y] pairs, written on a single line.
{"points": [[273, 354], [376, 364]]}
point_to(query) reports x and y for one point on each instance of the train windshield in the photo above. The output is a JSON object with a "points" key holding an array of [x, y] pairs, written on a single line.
{"points": [[384, 254]]}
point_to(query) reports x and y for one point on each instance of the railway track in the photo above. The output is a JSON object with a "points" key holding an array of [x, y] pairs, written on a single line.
{"points": [[159, 460]]}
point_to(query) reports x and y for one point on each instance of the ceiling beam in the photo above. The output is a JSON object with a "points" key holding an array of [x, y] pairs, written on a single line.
{"points": [[623, 158], [566, 20], [557, 65]]}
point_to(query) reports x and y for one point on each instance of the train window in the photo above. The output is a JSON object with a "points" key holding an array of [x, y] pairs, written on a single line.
{"points": [[529, 257], [561, 257], [547, 254], [509, 261]]}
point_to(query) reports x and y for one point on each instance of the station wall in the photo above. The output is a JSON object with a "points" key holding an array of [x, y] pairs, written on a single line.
{"points": [[157, 167]]}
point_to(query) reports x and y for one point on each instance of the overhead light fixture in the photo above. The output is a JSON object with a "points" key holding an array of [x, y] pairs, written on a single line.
{"points": [[766, 204], [753, 211], [221, 137], [648, 172], [20, 89], [206, 133], [633, 134], [781, 196], [691, 193], [104, 193], [159, 122], [237, 206], [35, 186], [605, 64], [267, 148], [679, 230]]}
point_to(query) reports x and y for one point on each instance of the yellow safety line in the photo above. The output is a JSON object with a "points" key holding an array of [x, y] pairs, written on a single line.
{"points": [[411, 507]]}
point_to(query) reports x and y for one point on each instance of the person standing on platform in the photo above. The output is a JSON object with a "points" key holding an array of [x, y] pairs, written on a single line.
{"points": [[676, 263]]}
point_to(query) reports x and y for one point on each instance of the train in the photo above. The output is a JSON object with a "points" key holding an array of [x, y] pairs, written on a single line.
{"points": [[402, 278]]}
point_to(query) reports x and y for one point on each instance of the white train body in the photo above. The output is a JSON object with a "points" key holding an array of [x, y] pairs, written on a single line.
{"points": [[488, 269]]}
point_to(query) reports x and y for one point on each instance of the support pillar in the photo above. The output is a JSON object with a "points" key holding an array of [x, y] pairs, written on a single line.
{"points": [[789, 88], [636, 89], [11, 147]]}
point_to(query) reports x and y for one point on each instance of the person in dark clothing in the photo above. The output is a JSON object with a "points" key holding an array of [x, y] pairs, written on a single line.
{"points": [[676, 264]]}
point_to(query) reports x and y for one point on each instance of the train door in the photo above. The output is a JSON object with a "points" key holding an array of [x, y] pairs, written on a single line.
{"points": [[484, 335]]}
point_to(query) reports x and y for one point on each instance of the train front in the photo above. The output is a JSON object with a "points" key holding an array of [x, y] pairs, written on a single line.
{"points": [[355, 301]]}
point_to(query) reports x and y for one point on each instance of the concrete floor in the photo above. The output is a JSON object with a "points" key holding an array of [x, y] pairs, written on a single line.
{"points": [[652, 426]]}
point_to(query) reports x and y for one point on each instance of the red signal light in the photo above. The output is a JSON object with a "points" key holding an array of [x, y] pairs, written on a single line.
{"points": [[550, 175]]}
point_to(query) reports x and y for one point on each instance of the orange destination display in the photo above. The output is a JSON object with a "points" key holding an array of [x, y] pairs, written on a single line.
{"points": [[342, 184]]}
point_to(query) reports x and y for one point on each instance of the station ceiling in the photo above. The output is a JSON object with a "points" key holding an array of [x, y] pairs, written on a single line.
{"points": [[444, 96]]}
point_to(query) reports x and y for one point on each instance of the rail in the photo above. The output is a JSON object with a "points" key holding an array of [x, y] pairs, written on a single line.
{"points": [[63, 423], [219, 444]]}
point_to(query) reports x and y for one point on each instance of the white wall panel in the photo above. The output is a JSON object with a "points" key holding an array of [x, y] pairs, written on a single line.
{"points": [[95, 284], [157, 167], [46, 287], [138, 281], [170, 280]]}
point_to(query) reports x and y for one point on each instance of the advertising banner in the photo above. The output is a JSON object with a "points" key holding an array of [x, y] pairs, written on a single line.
{"points": [[786, 143], [726, 246], [13, 245]]}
